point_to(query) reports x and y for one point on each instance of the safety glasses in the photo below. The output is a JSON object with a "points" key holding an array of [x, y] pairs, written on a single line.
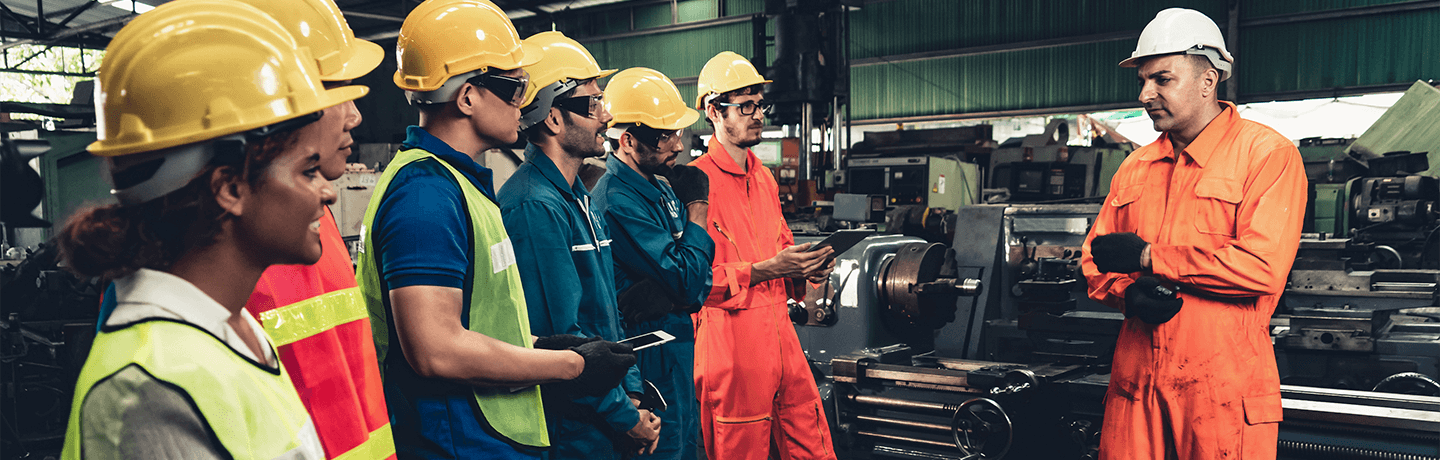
{"points": [[585, 106], [508, 89], [748, 108]]}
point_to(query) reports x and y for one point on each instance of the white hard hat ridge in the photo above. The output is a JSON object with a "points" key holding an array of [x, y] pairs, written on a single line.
{"points": [[1180, 30]]}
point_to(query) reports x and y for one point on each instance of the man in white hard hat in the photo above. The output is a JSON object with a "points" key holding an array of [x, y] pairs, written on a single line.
{"points": [[1194, 245]]}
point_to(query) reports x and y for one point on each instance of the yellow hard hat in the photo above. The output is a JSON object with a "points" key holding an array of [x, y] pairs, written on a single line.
{"points": [[645, 96], [320, 25], [565, 65], [198, 70], [725, 72], [442, 39]]}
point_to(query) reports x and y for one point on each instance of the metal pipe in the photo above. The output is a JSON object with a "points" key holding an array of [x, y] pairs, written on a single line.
{"points": [[895, 422], [807, 114], [117, 21], [1232, 42], [923, 442], [902, 404]]}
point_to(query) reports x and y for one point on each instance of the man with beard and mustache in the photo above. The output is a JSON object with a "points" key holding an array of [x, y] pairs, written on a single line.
{"points": [[754, 385], [563, 248], [662, 253], [1206, 218]]}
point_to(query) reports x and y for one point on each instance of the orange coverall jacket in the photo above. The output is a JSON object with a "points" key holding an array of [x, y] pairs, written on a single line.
{"points": [[751, 377], [1223, 220], [321, 330]]}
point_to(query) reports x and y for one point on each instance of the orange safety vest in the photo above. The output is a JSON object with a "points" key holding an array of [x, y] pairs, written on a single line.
{"points": [[317, 319]]}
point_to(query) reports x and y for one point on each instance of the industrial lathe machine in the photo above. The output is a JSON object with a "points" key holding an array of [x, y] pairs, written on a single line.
{"points": [[967, 332], [994, 351]]}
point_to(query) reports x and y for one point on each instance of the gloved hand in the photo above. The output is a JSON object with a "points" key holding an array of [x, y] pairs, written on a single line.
{"points": [[644, 301], [605, 364], [562, 341], [1151, 302], [690, 183], [1117, 252]]}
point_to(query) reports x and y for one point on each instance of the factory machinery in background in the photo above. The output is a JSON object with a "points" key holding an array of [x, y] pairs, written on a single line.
{"points": [[966, 332]]}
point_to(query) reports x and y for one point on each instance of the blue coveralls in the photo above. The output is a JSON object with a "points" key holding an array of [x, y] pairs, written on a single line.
{"points": [[563, 252], [654, 238]]}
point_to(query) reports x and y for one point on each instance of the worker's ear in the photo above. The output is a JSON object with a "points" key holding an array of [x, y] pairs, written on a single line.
{"points": [[230, 189], [712, 112], [1209, 82], [553, 123], [467, 98]]}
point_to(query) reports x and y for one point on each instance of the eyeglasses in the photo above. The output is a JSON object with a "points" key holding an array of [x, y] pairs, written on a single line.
{"points": [[508, 89], [585, 106], [748, 108], [667, 137]]}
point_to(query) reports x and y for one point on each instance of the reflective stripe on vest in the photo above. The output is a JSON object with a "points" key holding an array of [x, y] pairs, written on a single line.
{"points": [[297, 321], [380, 445], [497, 301], [254, 412]]}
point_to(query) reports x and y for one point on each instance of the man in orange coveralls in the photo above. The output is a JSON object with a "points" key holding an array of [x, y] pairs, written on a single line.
{"points": [[755, 389], [1206, 218]]}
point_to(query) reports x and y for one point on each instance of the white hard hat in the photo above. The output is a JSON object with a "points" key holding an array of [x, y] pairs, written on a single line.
{"points": [[1180, 30]]}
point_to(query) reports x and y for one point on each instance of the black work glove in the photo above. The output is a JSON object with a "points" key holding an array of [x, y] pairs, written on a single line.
{"points": [[1151, 302], [562, 341], [644, 301], [605, 364], [1117, 252], [690, 183]]}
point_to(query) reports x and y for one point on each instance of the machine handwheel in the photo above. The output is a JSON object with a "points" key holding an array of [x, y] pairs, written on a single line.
{"points": [[982, 429]]}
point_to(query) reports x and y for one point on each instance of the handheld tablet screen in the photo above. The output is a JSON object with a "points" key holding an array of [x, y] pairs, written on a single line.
{"points": [[843, 240], [648, 340]]}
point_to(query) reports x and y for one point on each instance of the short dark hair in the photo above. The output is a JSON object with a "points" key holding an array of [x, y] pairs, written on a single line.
{"points": [[1200, 63]]}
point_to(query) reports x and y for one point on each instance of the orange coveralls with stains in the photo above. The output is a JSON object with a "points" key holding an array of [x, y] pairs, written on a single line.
{"points": [[1223, 219], [751, 377]]}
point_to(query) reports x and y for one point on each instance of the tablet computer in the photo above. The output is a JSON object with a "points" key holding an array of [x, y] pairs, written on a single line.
{"points": [[649, 339], [843, 240]]}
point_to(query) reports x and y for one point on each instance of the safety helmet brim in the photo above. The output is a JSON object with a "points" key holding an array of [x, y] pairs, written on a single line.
{"points": [[329, 98], [366, 58]]}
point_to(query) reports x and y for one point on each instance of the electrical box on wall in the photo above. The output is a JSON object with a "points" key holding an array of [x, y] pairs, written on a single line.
{"points": [[931, 181]]}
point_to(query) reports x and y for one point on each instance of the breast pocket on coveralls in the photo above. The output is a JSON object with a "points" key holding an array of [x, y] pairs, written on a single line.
{"points": [[1218, 199]]}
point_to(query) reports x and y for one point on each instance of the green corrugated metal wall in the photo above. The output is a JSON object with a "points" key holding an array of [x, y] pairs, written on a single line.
{"points": [[1316, 55], [1362, 51], [909, 26]]}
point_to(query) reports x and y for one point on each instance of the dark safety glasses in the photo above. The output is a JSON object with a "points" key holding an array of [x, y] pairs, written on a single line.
{"points": [[585, 106], [748, 108], [508, 89]]}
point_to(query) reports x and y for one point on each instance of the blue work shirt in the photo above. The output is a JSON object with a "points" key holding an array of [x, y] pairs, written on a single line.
{"points": [[422, 237], [654, 238], [563, 252]]}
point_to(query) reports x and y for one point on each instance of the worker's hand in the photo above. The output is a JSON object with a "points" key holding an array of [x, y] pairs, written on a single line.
{"points": [[690, 183], [646, 432], [605, 364], [644, 301], [562, 341], [792, 262], [819, 275], [1151, 302], [1117, 252]]}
